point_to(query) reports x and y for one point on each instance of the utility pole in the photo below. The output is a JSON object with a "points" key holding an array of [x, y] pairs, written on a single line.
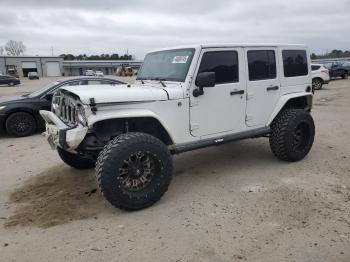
{"points": [[51, 50]]}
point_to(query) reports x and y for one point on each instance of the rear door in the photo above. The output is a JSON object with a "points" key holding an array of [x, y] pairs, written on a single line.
{"points": [[263, 87]]}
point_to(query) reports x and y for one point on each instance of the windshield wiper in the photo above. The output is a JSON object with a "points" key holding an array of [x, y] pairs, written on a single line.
{"points": [[160, 80]]}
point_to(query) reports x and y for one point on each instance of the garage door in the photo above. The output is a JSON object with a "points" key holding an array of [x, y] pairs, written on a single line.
{"points": [[53, 69], [28, 65]]}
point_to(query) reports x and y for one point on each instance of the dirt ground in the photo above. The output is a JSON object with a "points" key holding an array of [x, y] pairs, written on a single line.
{"points": [[235, 202]]}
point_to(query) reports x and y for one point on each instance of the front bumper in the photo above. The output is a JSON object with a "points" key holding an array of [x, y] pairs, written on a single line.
{"points": [[61, 135]]}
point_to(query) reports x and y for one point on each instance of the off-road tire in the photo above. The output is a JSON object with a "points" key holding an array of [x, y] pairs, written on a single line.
{"points": [[114, 156], [20, 124], [285, 134], [317, 83], [74, 160], [345, 76]]}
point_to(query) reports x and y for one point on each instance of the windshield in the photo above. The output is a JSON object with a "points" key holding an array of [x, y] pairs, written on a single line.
{"points": [[44, 89], [171, 65]]}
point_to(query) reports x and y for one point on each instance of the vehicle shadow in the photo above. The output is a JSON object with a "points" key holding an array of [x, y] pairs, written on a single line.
{"points": [[61, 194], [56, 196]]}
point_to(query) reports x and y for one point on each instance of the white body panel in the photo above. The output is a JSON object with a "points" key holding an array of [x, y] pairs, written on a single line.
{"points": [[117, 93]]}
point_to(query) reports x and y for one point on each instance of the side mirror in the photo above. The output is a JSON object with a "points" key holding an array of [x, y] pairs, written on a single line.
{"points": [[48, 97], [204, 79]]}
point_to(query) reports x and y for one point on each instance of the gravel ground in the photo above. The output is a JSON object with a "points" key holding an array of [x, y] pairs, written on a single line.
{"points": [[235, 202]]}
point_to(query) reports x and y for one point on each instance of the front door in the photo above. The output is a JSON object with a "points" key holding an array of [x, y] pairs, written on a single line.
{"points": [[263, 86], [221, 108]]}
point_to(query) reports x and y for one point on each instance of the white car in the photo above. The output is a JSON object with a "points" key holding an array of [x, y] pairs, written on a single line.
{"points": [[184, 98], [89, 73], [99, 74], [320, 76]]}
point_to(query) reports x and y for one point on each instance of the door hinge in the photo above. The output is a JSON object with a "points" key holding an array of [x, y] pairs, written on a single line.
{"points": [[194, 103], [249, 96], [248, 117], [194, 127]]}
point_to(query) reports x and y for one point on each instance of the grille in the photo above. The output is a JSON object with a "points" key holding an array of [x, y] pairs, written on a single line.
{"points": [[65, 108], [68, 113]]}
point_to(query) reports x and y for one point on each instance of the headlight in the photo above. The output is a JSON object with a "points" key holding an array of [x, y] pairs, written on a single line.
{"points": [[2, 107], [80, 115]]}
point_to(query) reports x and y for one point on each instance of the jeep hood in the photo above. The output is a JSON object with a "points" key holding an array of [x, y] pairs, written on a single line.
{"points": [[118, 93]]}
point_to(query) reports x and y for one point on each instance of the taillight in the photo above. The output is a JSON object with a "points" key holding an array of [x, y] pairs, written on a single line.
{"points": [[325, 71]]}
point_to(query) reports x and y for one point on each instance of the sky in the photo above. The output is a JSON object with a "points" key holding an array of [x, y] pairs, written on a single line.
{"points": [[114, 26]]}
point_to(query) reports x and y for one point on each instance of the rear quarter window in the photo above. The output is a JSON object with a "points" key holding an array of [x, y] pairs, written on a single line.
{"points": [[314, 67], [294, 63]]}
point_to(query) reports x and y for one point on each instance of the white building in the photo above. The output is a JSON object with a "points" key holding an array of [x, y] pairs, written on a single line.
{"points": [[22, 65]]}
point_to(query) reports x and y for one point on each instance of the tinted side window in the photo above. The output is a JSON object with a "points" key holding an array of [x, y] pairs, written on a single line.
{"points": [[94, 82], [223, 63], [294, 63], [261, 64], [106, 82], [74, 83], [314, 67]]}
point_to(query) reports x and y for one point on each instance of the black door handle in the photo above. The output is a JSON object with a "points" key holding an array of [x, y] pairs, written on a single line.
{"points": [[270, 88], [238, 92]]}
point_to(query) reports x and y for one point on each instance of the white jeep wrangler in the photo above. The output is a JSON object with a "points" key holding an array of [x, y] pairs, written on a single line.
{"points": [[183, 99]]}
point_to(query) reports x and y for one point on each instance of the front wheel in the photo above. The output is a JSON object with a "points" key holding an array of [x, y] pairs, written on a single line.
{"points": [[292, 134], [20, 124], [74, 160], [134, 170], [345, 76]]}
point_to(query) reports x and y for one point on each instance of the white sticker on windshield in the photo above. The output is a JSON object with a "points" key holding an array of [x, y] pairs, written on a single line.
{"points": [[180, 59]]}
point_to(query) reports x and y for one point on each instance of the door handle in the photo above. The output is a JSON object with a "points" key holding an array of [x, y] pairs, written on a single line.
{"points": [[271, 88], [237, 92]]}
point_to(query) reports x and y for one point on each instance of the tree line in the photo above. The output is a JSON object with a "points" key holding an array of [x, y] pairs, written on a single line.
{"points": [[97, 57], [336, 53]]}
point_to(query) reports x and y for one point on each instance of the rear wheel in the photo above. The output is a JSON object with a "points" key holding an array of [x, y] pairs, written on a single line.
{"points": [[317, 83], [134, 170], [74, 160], [292, 134], [345, 76], [20, 124]]}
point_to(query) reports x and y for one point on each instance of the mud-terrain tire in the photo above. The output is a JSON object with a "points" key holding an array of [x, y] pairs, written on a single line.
{"points": [[134, 170], [317, 83], [292, 134], [74, 160], [20, 124]]}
